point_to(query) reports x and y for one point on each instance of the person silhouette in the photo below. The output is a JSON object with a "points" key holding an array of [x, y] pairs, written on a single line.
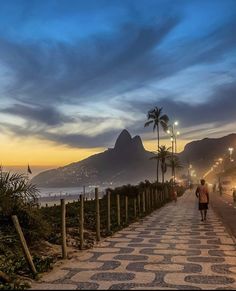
{"points": [[202, 194]]}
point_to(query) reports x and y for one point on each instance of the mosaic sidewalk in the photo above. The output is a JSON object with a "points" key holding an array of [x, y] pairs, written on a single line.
{"points": [[170, 249]]}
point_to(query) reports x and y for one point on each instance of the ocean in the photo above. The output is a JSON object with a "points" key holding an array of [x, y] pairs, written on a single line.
{"points": [[52, 196]]}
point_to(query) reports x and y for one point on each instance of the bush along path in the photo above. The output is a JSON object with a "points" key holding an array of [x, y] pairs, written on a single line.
{"points": [[169, 249], [42, 227]]}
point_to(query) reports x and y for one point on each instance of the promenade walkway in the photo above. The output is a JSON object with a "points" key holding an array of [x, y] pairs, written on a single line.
{"points": [[170, 249]]}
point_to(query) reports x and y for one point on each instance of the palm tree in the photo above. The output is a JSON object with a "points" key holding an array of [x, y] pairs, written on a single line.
{"points": [[175, 164], [16, 192], [158, 120], [163, 155]]}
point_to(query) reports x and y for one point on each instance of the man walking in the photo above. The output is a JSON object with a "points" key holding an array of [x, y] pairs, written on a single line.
{"points": [[203, 196]]}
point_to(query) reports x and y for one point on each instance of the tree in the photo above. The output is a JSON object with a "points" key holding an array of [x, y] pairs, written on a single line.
{"points": [[19, 197], [163, 155], [158, 120], [15, 193], [175, 164]]}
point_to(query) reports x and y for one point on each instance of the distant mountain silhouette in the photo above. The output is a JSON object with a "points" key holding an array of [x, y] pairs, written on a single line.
{"points": [[203, 153], [127, 162]]}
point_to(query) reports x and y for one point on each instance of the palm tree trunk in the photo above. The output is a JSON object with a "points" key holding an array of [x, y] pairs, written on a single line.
{"points": [[174, 173], [158, 145]]}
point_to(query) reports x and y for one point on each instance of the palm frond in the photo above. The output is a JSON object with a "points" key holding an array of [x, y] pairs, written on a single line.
{"points": [[175, 163], [154, 158], [148, 123], [17, 186], [165, 118]]}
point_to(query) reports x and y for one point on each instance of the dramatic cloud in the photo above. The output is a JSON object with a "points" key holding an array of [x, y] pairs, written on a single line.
{"points": [[101, 73], [106, 65], [41, 114], [98, 66], [104, 139], [219, 109]]}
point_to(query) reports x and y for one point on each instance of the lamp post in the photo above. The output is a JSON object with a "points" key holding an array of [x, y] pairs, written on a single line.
{"points": [[177, 134], [230, 154], [173, 134], [189, 176], [172, 155]]}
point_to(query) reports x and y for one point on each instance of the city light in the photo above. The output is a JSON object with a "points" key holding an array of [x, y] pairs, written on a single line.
{"points": [[230, 154]]}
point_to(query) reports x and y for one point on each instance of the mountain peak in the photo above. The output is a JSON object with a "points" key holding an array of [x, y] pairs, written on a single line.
{"points": [[127, 145], [123, 139], [137, 142]]}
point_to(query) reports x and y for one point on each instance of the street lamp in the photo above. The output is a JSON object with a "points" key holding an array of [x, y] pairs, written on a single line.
{"points": [[230, 154], [171, 131], [177, 134]]}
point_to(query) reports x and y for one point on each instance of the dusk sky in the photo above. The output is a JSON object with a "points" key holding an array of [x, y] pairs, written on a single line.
{"points": [[73, 74]]}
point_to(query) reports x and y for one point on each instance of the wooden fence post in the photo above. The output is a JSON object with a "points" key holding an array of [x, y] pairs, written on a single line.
{"points": [[139, 204], [118, 208], [156, 197], [151, 199], [81, 221], [135, 207], [144, 204], [24, 245], [148, 200], [63, 229], [166, 193], [108, 211], [126, 209], [98, 235]]}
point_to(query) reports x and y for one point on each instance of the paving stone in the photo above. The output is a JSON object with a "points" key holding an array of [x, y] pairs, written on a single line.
{"points": [[55, 275], [206, 260], [47, 286], [106, 250], [130, 258], [164, 267], [209, 279], [136, 267], [110, 265], [113, 277], [222, 269], [87, 286], [160, 252]]}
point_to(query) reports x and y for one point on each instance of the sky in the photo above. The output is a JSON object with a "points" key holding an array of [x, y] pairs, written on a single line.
{"points": [[73, 74]]}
